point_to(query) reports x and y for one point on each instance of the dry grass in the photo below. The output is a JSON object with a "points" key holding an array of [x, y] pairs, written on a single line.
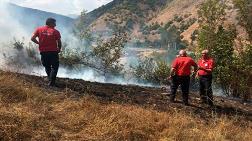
{"points": [[31, 113]]}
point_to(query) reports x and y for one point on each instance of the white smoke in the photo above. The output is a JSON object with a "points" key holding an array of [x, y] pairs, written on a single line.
{"points": [[10, 28]]}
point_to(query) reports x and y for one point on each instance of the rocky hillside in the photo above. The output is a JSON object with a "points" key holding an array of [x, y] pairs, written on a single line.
{"points": [[183, 14], [150, 22], [131, 16]]}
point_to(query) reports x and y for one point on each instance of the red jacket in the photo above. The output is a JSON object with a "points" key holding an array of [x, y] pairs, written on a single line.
{"points": [[206, 64], [182, 66], [48, 37]]}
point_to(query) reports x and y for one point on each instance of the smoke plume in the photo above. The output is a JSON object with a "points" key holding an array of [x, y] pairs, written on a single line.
{"points": [[16, 23]]}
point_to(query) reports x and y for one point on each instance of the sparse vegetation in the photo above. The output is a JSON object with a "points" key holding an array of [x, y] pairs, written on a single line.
{"points": [[185, 25], [178, 18], [194, 35], [22, 55]]}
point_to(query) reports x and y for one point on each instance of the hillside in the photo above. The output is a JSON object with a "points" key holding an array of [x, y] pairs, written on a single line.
{"points": [[31, 18], [130, 16], [80, 110], [182, 14], [124, 12], [187, 12], [153, 23]]}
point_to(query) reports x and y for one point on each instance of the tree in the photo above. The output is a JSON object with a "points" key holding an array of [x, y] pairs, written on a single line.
{"points": [[211, 16], [218, 40], [80, 23], [106, 54], [242, 74], [233, 70], [245, 15], [223, 53], [82, 29], [243, 58]]}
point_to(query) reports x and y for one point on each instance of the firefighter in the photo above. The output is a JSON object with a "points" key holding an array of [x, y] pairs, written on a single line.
{"points": [[180, 75], [206, 65], [49, 41]]}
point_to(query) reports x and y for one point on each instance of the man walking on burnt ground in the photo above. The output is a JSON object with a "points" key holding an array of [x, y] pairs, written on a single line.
{"points": [[180, 75], [206, 65], [49, 41]]}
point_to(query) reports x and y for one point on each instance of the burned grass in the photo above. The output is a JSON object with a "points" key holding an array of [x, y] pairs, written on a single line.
{"points": [[79, 110]]}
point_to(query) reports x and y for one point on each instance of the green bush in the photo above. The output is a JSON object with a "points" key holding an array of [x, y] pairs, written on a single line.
{"points": [[70, 58], [161, 72], [168, 24], [152, 71], [178, 18]]}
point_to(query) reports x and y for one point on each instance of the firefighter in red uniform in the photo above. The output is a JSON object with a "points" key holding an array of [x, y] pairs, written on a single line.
{"points": [[180, 75], [206, 65], [49, 41]]}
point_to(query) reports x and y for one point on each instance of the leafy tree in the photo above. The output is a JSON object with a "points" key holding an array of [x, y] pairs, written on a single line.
{"points": [[233, 68], [103, 56], [219, 41], [223, 54], [212, 13], [70, 58], [211, 16], [161, 72], [80, 23], [245, 15], [82, 30], [144, 70], [242, 74], [106, 54], [243, 60]]}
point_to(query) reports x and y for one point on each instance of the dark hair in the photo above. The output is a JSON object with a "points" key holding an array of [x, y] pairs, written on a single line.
{"points": [[50, 21]]}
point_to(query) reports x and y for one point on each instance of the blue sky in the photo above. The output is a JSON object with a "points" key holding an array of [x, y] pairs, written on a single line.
{"points": [[64, 7]]}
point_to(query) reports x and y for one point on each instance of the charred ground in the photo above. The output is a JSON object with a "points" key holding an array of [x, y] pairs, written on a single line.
{"points": [[147, 97]]}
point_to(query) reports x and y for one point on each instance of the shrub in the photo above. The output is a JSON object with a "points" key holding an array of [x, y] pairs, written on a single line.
{"points": [[152, 71], [167, 25], [70, 58], [23, 55], [178, 18]]}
